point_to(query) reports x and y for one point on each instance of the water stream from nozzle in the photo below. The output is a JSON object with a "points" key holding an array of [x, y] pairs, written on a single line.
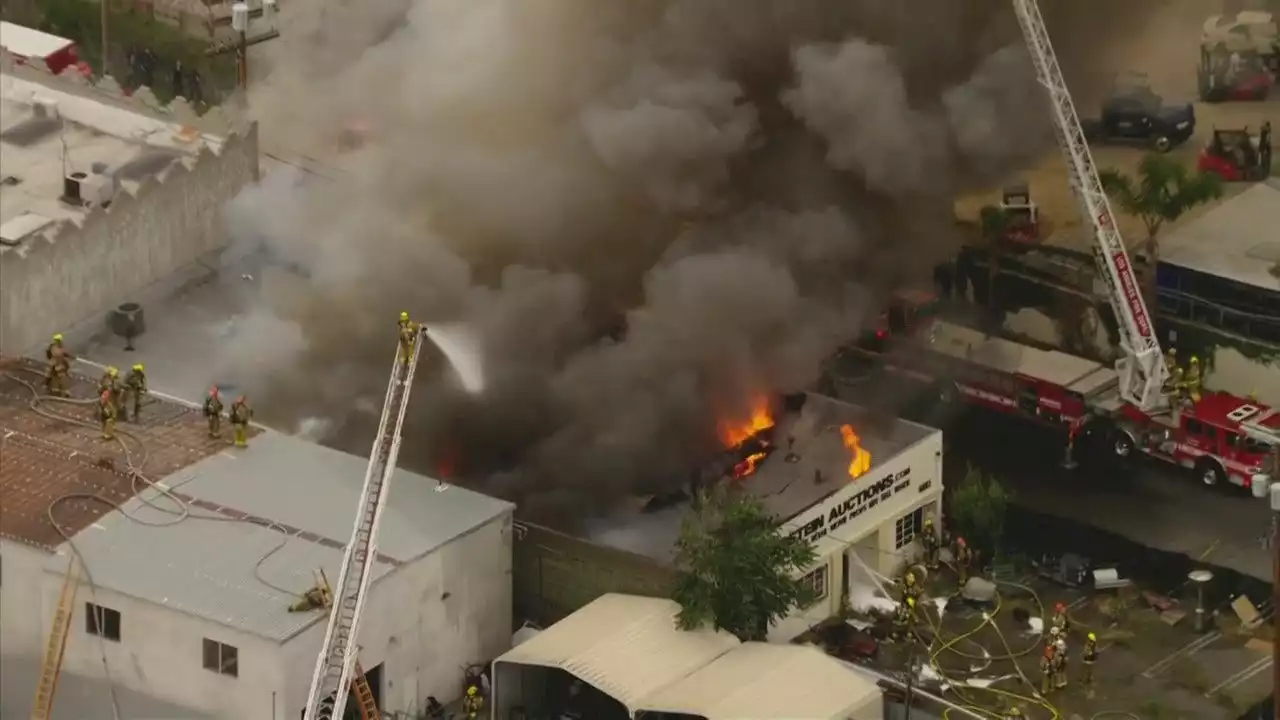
{"points": [[459, 347]]}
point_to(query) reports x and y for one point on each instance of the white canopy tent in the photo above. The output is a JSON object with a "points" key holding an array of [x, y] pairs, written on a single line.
{"points": [[758, 681], [624, 645], [629, 648]]}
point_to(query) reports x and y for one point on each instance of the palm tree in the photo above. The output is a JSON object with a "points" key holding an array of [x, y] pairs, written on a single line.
{"points": [[1163, 190]]}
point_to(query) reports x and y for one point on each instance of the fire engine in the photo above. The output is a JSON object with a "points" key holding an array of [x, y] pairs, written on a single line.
{"points": [[1225, 439]]}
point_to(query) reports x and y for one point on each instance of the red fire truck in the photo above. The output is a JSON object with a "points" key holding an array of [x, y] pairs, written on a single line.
{"points": [[33, 46]]}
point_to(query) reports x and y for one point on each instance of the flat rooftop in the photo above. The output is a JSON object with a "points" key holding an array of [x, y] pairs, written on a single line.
{"points": [[46, 133], [55, 451], [1237, 240], [818, 471], [260, 521]]}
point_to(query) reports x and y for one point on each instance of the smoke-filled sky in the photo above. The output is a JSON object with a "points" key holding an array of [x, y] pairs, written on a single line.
{"points": [[744, 179]]}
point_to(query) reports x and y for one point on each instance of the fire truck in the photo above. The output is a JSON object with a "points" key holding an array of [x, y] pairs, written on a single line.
{"points": [[1226, 440]]}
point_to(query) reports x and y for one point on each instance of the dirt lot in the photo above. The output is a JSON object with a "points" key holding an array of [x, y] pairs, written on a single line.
{"points": [[1152, 664], [1166, 52]]}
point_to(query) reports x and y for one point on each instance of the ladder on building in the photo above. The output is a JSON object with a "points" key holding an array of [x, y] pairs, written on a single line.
{"points": [[57, 645], [337, 660], [364, 695]]}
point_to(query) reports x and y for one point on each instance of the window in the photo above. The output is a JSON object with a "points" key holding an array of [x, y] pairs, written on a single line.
{"points": [[1195, 427], [102, 621], [1247, 444], [905, 529], [816, 582], [221, 658]]}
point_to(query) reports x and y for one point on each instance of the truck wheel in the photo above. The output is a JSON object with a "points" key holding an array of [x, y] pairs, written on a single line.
{"points": [[1122, 445], [1211, 473], [1161, 144], [947, 393]]}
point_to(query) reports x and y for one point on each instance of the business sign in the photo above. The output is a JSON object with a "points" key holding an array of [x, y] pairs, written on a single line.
{"points": [[862, 500]]}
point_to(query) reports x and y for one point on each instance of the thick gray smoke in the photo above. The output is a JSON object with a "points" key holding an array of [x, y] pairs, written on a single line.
{"points": [[743, 180]]}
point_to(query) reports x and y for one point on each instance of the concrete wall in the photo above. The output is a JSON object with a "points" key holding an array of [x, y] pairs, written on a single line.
{"points": [[423, 623], [21, 598], [74, 274], [556, 574]]}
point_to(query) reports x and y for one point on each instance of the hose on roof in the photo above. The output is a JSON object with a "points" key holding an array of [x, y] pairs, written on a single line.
{"points": [[179, 509]]}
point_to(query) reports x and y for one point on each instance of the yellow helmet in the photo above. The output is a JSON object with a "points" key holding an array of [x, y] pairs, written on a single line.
{"points": [[911, 602], [1195, 360], [57, 337], [928, 522], [1093, 637], [138, 367], [112, 372], [404, 316], [471, 691], [910, 578]]}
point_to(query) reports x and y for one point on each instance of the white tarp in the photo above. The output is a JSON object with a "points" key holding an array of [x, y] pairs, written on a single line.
{"points": [[624, 645], [758, 681]]}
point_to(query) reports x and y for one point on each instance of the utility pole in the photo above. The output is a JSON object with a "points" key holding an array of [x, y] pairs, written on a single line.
{"points": [[1275, 588], [240, 17], [105, 11]]}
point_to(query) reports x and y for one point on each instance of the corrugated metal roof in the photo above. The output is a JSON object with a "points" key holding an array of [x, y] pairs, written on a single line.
{"points": [[1236, 240], [758, 681], [624, 645], [214, 569]]}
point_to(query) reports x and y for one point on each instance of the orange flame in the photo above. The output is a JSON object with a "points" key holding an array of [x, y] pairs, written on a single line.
{"points": [[861, 461], [734, 434], [748, 466]]}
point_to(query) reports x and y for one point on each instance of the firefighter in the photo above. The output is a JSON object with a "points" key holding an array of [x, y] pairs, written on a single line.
{"points": [[240, 416], [472, 703], [929, 540], [904, 620], [59, 370], [1088, 656], [110, 383], [963, 555], [135, 386], [1171, 361], [1059, 658], [1061, 621], [1048, 661], [54, 346], [1192, 380], [107, 414], [1013, 713], [910, 589], [408, 335], [213, 412], [317, 597]]}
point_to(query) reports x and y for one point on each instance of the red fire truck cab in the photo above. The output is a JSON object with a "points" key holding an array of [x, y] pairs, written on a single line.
{"points": [[1207, 436], [33, 46]]}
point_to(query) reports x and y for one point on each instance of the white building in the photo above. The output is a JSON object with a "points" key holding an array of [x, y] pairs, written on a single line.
{"points": [[194, 582], [862, 523], [638, 665]]}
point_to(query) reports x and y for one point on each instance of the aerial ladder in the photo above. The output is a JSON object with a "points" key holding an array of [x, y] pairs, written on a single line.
{"points": [[56, 647], [1142, 371], [337, 667]]}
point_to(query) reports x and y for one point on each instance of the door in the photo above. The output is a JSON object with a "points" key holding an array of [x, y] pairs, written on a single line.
{"points": [[862, 570]]}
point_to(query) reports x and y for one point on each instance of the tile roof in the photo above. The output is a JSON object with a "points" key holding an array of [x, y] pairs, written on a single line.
{"points": [[62, 461]]}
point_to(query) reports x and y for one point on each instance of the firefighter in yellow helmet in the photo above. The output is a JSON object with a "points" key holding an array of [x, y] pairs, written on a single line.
{"points": [[59, 370], [1192, 380], [472, 703], [213, 412], [135, 387], [107, 415], [1173, 383], [408, 336], [930, 543], [110, 383], [240, 415], [910, 588], [54, 346], [1088, 656], [904, 620]]}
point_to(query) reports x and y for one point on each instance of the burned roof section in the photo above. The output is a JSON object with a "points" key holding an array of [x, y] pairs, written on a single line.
{"points": [[52, 455]]}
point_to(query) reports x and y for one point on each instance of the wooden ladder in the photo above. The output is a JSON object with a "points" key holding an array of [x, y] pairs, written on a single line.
{"points": [[57, 644], [364, 695]]}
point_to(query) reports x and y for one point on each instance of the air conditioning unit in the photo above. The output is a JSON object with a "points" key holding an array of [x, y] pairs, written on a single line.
{"points": [[97, 190]]}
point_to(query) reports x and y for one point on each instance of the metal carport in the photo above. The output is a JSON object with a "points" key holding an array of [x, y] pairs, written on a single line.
{"points": [[625, 646], [757, 681]]}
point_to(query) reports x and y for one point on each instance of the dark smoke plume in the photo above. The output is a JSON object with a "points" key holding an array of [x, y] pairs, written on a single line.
{"points": [[742, 181]]}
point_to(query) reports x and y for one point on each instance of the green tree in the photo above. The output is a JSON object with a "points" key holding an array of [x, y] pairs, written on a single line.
{"points": [[736, 571], [993, 223], [978, 509], [1162, 191]]}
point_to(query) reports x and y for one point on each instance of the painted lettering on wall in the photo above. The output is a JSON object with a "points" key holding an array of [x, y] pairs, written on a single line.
{"points": [[851, 507]]}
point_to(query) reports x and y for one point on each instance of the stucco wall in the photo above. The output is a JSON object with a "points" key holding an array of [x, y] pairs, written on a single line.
{"points": [[21, 598]]}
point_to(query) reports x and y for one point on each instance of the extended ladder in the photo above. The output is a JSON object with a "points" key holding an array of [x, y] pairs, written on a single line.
{"points": [[333, 675], [57, 644], [364, 695], [1142, 371]]}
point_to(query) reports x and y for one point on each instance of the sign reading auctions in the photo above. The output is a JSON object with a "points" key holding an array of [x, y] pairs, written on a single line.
{"points": [[851, 507]]}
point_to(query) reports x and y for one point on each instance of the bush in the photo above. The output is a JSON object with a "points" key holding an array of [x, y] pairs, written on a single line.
{"points": [[978, 509]]}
